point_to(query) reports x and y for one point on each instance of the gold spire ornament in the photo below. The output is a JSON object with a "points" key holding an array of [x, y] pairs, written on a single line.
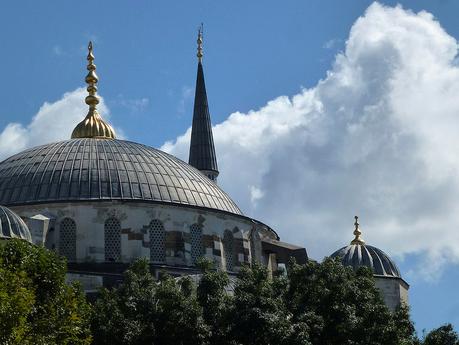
{"points": [[357, 240], [200, 54], [93, 126]]}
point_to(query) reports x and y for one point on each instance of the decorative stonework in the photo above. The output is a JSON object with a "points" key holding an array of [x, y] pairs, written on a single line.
{"points": [[180, 247]]}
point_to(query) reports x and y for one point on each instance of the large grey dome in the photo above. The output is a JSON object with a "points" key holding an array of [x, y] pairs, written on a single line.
{"points": [[12, 226], [357, 255], [102, 169]]}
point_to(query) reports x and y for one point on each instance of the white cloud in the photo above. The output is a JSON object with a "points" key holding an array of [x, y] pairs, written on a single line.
{"points": [[377, 137], [53, 122]]}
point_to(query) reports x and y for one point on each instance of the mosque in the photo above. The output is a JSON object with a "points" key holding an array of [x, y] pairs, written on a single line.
{"points": [[103, 202]]}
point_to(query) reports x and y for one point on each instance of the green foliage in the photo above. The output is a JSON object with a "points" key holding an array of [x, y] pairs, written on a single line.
{"points": [[215, 302], [316, 303], [16, 302], [260, 314], [36, 305], [143, 311], [444, 335], [341, 306]]}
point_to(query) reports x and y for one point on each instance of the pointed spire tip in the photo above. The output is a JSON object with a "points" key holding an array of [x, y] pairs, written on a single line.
{"points": [[199, 41]]}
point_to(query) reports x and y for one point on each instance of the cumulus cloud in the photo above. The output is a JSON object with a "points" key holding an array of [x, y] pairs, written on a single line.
{"points": [[376, 137], [53, 122]]}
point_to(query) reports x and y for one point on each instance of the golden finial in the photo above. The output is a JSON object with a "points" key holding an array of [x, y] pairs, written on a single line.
{"points": [[93, 126], [199, 54], [357, 233]]}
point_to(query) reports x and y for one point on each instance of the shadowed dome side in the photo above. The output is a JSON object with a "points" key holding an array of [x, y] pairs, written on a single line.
{"points": [[358, 254], [91, 169], [12, 226]]}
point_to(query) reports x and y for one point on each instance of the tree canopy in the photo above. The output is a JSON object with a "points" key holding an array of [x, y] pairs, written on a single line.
{"points": [[444, 335], [36, 304], [316, 303], [311, 304]]}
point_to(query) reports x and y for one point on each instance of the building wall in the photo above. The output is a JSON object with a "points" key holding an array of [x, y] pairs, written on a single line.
{"points": [[135, 218], [394, 291]]}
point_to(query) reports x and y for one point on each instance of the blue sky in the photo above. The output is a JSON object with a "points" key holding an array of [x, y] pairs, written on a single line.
{"points": [[255, 52]]}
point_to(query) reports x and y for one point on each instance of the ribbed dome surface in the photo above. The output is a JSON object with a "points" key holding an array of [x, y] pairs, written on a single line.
{"points": [[12, 226], [356, 255], [101, 169]]}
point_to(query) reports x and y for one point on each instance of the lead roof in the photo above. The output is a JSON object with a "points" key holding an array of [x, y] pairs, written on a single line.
{"points": [[356, 255], [12, 226], [101, 169]]}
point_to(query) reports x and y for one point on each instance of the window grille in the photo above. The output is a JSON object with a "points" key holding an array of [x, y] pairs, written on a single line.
{"points": [[112, 240], [157, 242], [228, 249], [67, 239], [196, 243]]}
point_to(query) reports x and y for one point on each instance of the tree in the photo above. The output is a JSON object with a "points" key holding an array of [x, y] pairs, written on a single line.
{"points": [[260, 315], [341, 306], [16, 302], [215, 302], [315, 303], [444, 335], [36, 304], [144, 311]]}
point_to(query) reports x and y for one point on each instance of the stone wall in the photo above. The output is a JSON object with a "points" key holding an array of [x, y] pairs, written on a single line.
{"points": [[135, 218], [394, 291]]}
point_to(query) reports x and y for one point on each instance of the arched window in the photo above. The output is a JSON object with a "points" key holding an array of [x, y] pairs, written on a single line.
{"points": [[157, 242], [67, 239], [196, 242], [228, 249], [112, 239]]}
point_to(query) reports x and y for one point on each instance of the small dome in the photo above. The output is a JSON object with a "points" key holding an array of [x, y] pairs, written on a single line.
{"points": [[12, 226], [359, 254]]}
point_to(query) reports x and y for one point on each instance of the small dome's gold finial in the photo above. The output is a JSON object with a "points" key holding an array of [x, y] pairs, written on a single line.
{"points": [[357, 233], [93, 126], [200, 54]]}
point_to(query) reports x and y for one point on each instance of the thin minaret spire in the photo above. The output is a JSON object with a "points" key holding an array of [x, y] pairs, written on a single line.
{"points": [[202, 150]]}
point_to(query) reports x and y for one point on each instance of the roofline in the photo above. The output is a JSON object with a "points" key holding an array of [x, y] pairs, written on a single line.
{"points": [[391, 277]]}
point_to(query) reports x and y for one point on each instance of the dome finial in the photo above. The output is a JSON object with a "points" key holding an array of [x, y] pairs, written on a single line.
{"points": [[357, 233], [200, 54], [91, 79], [93, 126]]}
